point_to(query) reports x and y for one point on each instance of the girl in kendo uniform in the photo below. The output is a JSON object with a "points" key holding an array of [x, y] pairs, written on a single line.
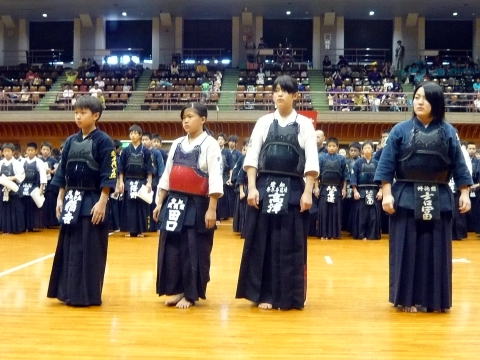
{"points": [[422, 154], [282, 152], [187, 197]]}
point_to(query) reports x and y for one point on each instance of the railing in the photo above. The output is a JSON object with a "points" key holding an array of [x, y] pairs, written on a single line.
{"points": [[242, 101], [359, 56]]}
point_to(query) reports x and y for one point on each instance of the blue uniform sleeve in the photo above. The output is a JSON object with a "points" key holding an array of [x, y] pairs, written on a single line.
{"points": [[386, 165], [159, 163], [59, 178], [123, 161], [148, 161], [343, 163], [355, 171]]}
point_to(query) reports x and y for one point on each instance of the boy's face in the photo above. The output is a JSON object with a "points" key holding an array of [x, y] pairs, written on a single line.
{"points": [[45, 150], [354, 152], [31, 152], [232, 145], [332, 148], [367, 150], [157, 144], [221, 141], [135, 136], [7, 153], [85, 119], [472, 149], [146, 141]]}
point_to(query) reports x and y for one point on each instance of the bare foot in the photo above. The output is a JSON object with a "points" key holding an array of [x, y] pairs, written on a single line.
{"points": [[183, 304], [174, 300], [364, 239], [265, 306], [141, 235], [409, 309]]}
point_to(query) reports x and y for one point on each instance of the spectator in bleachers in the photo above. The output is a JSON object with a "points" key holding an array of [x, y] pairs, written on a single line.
{"points": [[387, 69], [327, 64], [99, 81], [30, 76], [399, 55], [342, 61], [174, 69], [374, 77], [262, 44], [476, 85], [201, 68], [260, 77], [476, 104], [67, 94], [396, 85], [71, 75], [95, 91]]}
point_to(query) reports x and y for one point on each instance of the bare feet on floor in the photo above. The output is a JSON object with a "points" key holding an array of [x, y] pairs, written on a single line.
{"points": [[173, 301], [410, 309], [265, 306], [183, 304]]}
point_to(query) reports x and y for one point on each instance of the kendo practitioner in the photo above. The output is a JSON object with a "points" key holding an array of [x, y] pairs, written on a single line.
{"points": [[332, 182], [51, 191], [282, 153], [226, 202], [135, 169], [348, 202], [116, 199], [12, 218], [473, 217], [239, 181], [187, 205], [366, 224], [86, 175], [422, 154], [35, 176]]}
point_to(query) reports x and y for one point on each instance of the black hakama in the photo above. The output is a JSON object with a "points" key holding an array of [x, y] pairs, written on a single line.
{"points": [[330, 214], [223, 205], [184, 256], [33, 215], [135, 216], [114, 214], [420, 261], [12, 214], [50, 205], [239, 213], [366, 220], [79, 263], [273, 267]]}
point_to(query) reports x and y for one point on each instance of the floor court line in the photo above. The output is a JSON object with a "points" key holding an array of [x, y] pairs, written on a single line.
{"points": [[27, 264]]}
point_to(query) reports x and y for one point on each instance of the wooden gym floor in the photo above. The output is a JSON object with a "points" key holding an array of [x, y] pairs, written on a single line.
{"points": [[347, 315]]}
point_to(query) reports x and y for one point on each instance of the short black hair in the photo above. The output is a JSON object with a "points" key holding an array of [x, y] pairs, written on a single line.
{"points": [[355, 145], [200, 109], [286, 83], [148, 135], [222, 135], [233, 138], [117, 144], [434, 95], [135, 128], [367, 142], [47, 144], [32, 145], [8, 146], [89, 102], [471, 143], [332, 140]]}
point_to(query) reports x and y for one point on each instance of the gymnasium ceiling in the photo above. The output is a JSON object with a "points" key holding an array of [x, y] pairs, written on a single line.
{"points": [[207, 9]]}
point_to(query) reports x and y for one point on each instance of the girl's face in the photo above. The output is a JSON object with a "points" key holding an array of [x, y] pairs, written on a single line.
{"points": [[192, 122], [283, 100], [7, 153], [421, 106]]}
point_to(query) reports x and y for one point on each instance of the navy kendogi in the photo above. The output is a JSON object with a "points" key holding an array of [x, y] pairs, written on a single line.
{"points": [[135, 165], [51, 193], [226, 202], [239, 179], [422, 160], [87, 166], [333, 174], [367, 210]]}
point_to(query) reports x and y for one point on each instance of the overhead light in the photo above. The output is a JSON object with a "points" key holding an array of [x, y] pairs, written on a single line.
{"points": [[371, 13], [455, 13], [124, 13], [288, 12], [44, 15]]}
